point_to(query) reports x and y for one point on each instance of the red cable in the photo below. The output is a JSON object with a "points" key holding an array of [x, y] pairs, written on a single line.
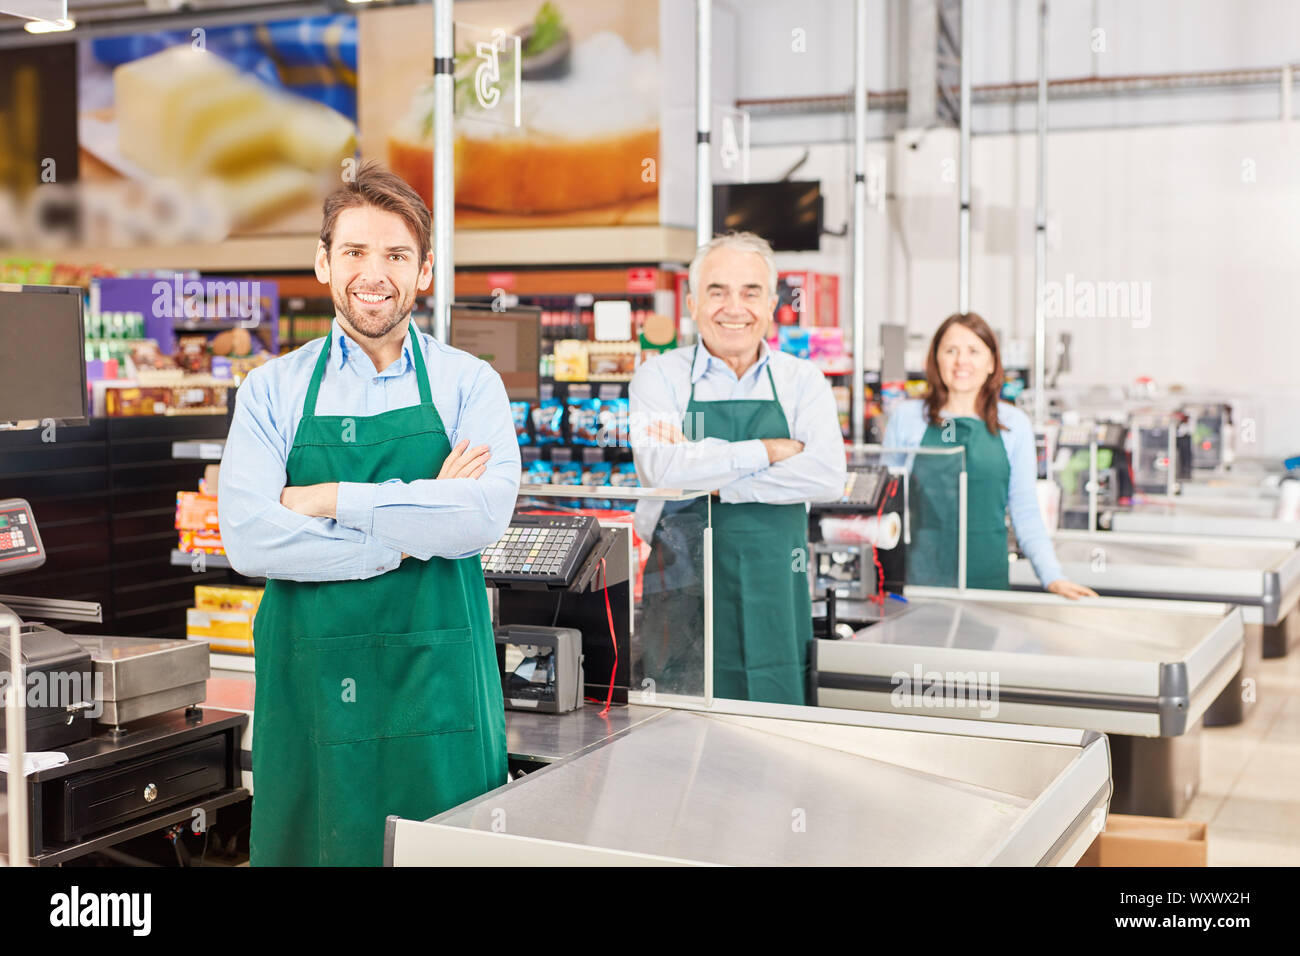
{"points": [[879, 596], [609, 614]]}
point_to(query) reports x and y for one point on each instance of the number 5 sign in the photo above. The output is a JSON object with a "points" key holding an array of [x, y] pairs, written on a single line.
{"points": [[497, 79]]}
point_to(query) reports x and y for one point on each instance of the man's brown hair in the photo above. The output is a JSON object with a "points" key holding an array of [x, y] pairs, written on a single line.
{"points": [[379, 187]]}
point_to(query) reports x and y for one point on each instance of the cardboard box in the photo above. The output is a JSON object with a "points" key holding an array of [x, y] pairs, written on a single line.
{"points": [[230, 631], [196, 512], [1147, 841], [209, 597], [208, 542]]}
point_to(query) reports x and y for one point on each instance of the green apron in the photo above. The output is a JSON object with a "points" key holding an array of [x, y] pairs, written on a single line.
{"points": [[373, 697], [932, 554], [762, 608]]}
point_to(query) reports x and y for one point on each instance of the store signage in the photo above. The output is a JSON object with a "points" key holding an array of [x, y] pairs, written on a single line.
{"points": [[500, 280], [642, 279]]}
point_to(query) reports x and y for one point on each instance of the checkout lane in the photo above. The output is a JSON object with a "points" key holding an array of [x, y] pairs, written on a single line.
{"points": [[1262, 576], [777, 784]]}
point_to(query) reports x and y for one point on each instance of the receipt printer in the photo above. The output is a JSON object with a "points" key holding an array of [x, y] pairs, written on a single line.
{"points": [[541, 667]]}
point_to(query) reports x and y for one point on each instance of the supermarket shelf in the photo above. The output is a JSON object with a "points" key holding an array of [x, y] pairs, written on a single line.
{"points": [[183, 559], [204, 450], [476, 247]]}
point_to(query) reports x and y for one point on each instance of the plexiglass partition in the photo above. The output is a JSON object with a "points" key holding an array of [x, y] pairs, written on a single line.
{"points": [[671, 582], [933, 521]]}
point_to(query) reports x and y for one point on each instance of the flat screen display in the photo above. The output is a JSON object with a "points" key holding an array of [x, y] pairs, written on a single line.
{"points": [[787, 214], [42, 354], [509, 341]]}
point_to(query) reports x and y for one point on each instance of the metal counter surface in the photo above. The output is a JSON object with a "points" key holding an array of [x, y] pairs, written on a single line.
{"points": [[546, 738], [530, 737], [786, 785], [1148, 668], [1252, 572], [1228, 517]]}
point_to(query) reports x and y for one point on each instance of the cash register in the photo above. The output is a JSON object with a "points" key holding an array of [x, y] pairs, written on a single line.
{"points": [[57, 670]]}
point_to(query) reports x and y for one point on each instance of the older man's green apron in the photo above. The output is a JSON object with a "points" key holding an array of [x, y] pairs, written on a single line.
{"points": [[932, 554], [762, 608], [379, 696]]}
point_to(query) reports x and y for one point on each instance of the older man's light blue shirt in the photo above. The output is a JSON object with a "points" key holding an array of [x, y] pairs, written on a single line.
{"points": [[740, 471], [376, 523]]}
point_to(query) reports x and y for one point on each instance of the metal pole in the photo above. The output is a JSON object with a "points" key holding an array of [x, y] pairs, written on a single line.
{"points": [[859, 270], [1094, 490], [16, 728], [1040, 230], [444, 196], [703, 122], [709, 605], [961, 525], [1171, 473], [963, 221]]}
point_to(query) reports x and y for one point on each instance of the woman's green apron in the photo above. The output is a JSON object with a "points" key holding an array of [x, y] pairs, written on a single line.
{"points": [[374, 697], [932, 554], [762, 609]]}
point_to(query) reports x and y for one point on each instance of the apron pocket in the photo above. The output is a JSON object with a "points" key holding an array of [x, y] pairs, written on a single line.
{"points": [[375, 686]]}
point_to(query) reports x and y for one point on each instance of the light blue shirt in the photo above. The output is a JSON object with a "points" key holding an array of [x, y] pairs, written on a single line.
{"points": [[376, 523], [739, 470], [907, 427]]}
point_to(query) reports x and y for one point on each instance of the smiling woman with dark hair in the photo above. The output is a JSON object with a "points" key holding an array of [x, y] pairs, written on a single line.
{"points": [[964, 372]]}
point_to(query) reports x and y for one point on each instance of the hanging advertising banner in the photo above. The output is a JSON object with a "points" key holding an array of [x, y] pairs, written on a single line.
{"points": [[557, 107]]}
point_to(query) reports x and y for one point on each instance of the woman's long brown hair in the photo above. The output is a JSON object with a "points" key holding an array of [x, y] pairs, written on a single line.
{"points": [[986, 403]]}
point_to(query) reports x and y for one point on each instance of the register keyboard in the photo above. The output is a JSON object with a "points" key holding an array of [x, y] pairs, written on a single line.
{"points": [[540, 550], [863, 490]]}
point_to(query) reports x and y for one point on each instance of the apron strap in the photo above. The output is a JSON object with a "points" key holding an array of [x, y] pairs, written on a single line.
{"points": [[313, 387], [694, 355], [421, 375], [772, 381]]}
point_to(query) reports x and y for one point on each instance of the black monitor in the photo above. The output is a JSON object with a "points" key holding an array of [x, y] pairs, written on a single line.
{"points": [[507, 339], [42, 354], [787, 214]]}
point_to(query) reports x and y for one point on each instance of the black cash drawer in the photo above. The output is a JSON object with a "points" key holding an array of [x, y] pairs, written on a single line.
{"points": [[102, 799]]}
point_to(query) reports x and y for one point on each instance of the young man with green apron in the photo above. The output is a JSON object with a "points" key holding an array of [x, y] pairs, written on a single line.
{"points": [[377, 685], [761, 431]]}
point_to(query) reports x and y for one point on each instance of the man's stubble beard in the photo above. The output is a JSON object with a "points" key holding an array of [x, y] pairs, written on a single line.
{"points": [[343, 303]]}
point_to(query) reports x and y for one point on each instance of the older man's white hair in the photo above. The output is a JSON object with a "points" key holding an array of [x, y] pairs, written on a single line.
{"points": [[741, 241]]}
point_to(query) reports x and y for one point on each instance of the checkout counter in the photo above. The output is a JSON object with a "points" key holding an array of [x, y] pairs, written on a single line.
{"points": [[675, 777], [1259, 575], [1144, 672], [759, 785]]}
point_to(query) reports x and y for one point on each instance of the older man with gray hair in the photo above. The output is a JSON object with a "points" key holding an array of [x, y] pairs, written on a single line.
{"points": [[758, 428]]}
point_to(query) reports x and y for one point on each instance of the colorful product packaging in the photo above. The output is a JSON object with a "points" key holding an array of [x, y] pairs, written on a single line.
{"points": [[196, 511], [548, 422], [584, 421], [208, 542], [229, 631], [209, 597], [519, 412]]}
